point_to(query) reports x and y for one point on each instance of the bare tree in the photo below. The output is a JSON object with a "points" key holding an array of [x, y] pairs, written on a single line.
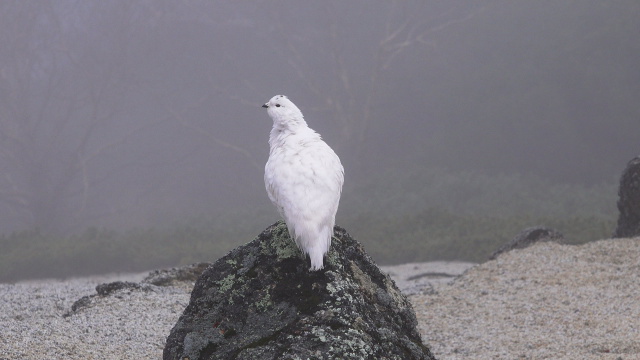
{"points": [[64, 81], [349, 87]]}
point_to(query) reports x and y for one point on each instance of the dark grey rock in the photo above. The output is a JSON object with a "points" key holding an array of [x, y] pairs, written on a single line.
{"points": [[103, 290], [528, 237], [183, 277], [260, 301], [175, 276], [81, 303], [108, 288], [629, 201]]}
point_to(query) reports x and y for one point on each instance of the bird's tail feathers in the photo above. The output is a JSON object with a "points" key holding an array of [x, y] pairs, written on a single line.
{"points": [[316, 243]]}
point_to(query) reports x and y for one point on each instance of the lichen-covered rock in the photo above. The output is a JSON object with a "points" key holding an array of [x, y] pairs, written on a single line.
{"points": [[528, 237], [629, 201], [260, 301]]}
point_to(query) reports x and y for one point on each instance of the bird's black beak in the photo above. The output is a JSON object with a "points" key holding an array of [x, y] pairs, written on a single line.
{"points": [[265, 106]]}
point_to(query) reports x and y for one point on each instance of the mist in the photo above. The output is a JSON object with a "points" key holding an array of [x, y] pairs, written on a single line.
{"points": [[138, 114]]}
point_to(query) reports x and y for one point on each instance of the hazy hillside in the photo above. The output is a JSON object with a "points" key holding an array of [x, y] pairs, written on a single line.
{"points": [[457, 122]]}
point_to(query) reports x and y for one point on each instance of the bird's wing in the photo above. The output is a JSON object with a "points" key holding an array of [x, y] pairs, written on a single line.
{"points": [[307, 183]]}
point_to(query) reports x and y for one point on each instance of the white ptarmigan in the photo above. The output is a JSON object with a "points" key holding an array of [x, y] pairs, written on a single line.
{"points": [[304, 178]]}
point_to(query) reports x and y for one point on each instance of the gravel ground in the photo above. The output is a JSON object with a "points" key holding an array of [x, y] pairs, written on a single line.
{"points": [[548, 301], [130, 324]]}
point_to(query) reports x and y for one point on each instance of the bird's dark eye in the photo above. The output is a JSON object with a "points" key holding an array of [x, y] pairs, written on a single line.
{"points": [[277, 105]]}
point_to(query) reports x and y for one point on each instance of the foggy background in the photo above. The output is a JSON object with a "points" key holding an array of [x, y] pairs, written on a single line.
{"points": [[123, 114]]}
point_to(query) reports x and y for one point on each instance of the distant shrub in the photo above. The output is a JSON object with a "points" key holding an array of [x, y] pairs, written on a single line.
{"points": [[439, 235], [433, 214], [423, 215]]}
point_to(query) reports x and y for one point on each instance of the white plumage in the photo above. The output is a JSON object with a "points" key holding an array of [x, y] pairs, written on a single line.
{"points": [[304, 178]]}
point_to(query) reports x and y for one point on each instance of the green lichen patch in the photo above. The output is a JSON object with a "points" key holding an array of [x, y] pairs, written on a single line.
{"points": [[227, 283], [264, 303]]}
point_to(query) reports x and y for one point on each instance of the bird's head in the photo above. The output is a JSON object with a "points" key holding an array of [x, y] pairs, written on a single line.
{"points": [[283, 111]]}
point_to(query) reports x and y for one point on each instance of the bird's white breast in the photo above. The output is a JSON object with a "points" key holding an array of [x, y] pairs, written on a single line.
{"points": [[303, 171]]}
